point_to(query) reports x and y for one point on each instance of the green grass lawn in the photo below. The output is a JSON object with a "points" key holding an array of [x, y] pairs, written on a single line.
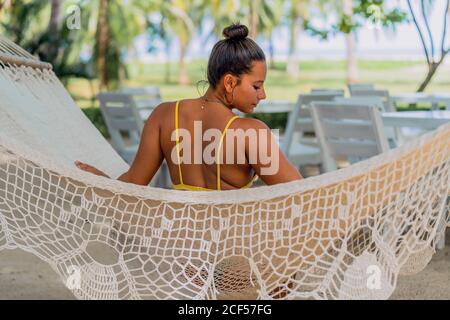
{"points": [[396, 76]]}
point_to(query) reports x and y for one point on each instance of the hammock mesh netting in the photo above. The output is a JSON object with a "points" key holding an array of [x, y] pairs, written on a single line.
{"points": [[343, 235]]}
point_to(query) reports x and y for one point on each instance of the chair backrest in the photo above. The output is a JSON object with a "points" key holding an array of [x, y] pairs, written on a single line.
{"points": [[300, 122], [360, 86], [327, 90], [274, 106], [123, 122], [373, 101], [392, 134], [144, 97], [383, 94], [447, 104], [348, 132]]}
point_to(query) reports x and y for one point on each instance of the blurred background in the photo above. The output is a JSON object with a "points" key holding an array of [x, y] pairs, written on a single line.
{"points": [[102, 45]]}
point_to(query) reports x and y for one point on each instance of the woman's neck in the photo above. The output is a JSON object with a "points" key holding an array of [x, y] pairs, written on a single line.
{"points": [[215, 96]]}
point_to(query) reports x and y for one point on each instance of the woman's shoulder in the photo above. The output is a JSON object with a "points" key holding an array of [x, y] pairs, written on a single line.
{"points": [[165, 105], [160, 112], [167, 108], [169, 105], [250, 123], [163, 108]]}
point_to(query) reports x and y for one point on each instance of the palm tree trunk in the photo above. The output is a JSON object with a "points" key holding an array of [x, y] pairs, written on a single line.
{"points": [[254, 18], [352, 63], [167, 71], [183, 78], [102, 42], [53, 29], [2, 4], [293, 65], [55, 15], [5, 5], [167, 46], [272, 52]]}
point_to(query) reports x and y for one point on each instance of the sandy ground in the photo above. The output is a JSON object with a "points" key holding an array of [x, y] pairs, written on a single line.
{"points": [[431, 283], [24, 276]]}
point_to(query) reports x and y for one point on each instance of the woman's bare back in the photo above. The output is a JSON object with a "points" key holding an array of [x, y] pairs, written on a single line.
{"points": [[198, 172]]}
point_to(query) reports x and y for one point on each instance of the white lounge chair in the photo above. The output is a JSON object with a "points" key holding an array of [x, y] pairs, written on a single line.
{"points": [[299, 142], [348, 132], [125, 126]]}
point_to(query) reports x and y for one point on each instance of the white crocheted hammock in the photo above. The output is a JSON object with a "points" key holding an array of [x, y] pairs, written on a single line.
{"points": [[346, 234]]}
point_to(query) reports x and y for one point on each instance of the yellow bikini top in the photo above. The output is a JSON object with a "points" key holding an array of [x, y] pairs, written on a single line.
{"points": [[181, 185]]}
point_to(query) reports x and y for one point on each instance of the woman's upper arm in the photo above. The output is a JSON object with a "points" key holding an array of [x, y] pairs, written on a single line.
{"points": [[149, 155], [271, 164]]}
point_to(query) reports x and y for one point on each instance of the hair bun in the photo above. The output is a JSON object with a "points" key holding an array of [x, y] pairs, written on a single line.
{"points": [[235, 31]]}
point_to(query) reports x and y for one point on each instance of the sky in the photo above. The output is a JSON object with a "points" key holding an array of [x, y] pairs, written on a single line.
{"points": [[402, 44]]}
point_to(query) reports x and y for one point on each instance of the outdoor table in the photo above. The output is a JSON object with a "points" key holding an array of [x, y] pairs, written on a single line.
{"points": [[419, 119], [433, 98]]}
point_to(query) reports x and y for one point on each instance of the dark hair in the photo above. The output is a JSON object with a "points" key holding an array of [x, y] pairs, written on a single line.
{"points": [[233, 55]]}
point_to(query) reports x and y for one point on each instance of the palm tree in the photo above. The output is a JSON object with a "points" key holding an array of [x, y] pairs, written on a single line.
{"points": [[348, 25], [299, 20], [53, 28], [270, 18], [109, 27], [102, 41], [184, 28], [183, 16], [263, 16], [5, 4], [298, 12], [255, 8], [159, 30], [176, 19], [352, 63], [223, 13], [23, 20]]}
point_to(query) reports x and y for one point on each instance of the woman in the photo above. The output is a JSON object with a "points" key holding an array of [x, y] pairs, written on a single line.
{"points": [[236, 74]]}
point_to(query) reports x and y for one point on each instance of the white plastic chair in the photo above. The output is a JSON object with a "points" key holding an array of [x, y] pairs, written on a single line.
{"points": [[383, 94], [348, 132], [326, 90], [404, 134], [360, 86], [299, 143], [145, 98], [125, 128], [123, 122], [366, 100], [393, 134]]}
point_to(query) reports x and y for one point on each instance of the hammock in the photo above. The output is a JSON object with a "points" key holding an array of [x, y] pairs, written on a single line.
{"points": [[343, 235]]}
